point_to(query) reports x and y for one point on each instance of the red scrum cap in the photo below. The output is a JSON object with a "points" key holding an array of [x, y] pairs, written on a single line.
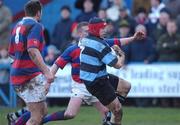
{"points": [[95, 24]]}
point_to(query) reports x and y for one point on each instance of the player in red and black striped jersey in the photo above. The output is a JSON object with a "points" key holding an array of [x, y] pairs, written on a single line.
{"points": [[28, 68], [28, 33]]}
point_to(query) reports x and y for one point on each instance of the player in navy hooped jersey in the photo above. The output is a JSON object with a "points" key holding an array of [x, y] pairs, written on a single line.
{"points": [[95, 55]]}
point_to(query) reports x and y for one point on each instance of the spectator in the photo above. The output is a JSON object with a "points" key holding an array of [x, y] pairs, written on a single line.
{"points": [[52, 54], [62, 31], [113, 11], [141, 51], [111, 29], [4, 71], [5, 21], [102, 13], [174, 7], [160, 28], [124, 29], [168, 47], [156, 6], [125, 16], [87, 12], [141, 17], [169, 44]]}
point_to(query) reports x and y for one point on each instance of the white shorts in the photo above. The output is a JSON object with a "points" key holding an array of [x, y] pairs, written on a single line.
{"points": [[80, 91], [32, 91]]}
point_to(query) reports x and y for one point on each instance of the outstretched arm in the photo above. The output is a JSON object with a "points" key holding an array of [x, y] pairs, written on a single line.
{"points": [[137, 36]]}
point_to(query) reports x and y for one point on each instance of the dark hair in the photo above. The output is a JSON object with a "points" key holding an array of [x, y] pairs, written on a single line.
{"points": [[96, 20], [81, 24], [166, 10], [141, 10], [65, 7], [32, 7], [159, 1]]}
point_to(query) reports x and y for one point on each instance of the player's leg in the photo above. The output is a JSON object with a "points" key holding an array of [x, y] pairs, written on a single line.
{"points": [[105, 92], [116, 108], [34, 94], [104, 111], [123, 87], [13, 116], [23, 119], [101, 108], [38, 111], [71, 111], [73, 107]]}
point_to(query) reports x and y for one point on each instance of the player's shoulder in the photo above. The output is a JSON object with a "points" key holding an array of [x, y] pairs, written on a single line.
{"points": [[29, 21], [72, 47], [38, 25], [93, 42]]}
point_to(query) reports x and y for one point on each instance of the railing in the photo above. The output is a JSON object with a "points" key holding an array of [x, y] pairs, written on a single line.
{"points": [[8, 100], [147, 80]]}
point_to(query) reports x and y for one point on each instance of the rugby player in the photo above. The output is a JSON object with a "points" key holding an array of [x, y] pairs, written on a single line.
{"points": [[110, 90], [28, 68]]}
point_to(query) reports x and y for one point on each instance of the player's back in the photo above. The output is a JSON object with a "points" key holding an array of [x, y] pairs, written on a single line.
{"points": [[28, 33]]}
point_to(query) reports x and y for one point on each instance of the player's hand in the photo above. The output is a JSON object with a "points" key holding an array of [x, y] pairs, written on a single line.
{"points": [[47, 87], [49, 77], [139, 35], [118, 50]]}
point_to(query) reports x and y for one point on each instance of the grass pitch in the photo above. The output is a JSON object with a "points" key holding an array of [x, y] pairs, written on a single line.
{"points": [[132, 116]]}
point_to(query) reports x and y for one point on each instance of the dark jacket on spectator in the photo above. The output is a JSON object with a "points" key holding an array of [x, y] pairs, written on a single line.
{"points": [[5, 21], [158, 32], [140, 50], [168, 47], [85, 16], [62, 34]]}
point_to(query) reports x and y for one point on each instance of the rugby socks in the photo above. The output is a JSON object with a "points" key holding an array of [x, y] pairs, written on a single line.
{"points": [[106, 120], [54, 117], [121, 98], [23, 119], [15, 115]]}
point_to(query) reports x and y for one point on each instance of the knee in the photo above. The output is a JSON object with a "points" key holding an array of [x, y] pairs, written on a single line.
{"points": [[125, 86], [128, 86], [69, 115]]}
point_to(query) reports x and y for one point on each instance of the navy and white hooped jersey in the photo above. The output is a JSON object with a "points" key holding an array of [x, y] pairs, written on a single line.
{"points": [[95, 55]]}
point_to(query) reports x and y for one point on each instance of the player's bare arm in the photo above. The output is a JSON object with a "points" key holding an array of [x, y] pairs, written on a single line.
{"points": [[54, 69], [137, 36], [38, 60]]}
